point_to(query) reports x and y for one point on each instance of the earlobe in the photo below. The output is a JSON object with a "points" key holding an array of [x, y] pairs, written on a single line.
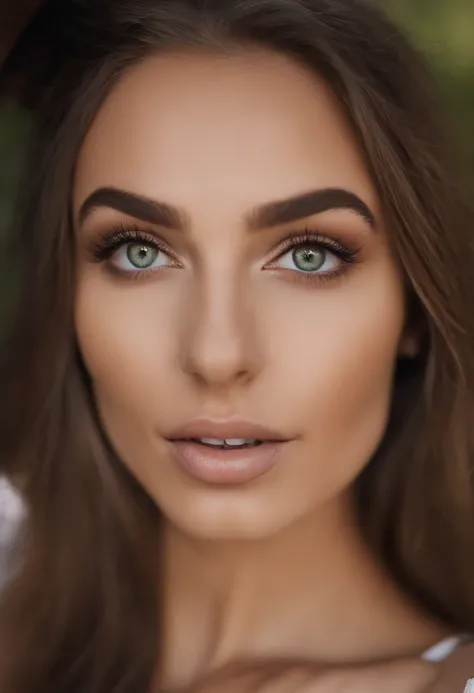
{"points": [[410, 346]]}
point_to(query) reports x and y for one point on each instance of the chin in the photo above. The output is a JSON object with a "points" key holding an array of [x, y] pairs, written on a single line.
{"points": [[218, 515]]}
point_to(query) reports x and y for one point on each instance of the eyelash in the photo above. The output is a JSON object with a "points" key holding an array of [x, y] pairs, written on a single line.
{"points": [[120, 236], [347, 256], [123, 235]]}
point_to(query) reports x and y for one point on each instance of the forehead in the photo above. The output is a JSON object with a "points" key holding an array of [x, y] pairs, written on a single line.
{"points": [[252, 126]]}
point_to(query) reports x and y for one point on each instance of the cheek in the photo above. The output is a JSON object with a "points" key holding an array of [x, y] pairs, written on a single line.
{"points": [[337, 351], [341, 351], [127, 342]]}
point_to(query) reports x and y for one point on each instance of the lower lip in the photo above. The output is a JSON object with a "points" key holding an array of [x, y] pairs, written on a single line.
{"points": [[223, 466]]}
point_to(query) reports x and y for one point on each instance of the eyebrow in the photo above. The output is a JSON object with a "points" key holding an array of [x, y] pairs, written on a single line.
{"points": [[133, 205], [267, 216], [309, 204]]}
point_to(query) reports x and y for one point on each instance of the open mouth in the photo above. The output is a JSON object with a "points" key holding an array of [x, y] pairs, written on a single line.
{"points": [[225, 452], [227, 443]]}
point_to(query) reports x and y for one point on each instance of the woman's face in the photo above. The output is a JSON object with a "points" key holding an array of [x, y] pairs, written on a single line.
{"points": [[234, 282]]}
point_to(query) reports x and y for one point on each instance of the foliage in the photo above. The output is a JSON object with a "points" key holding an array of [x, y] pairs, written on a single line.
{"points": [[444, 31]]}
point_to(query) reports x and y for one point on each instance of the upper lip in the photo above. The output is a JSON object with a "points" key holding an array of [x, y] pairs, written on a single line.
{"points": [[231, 428]]}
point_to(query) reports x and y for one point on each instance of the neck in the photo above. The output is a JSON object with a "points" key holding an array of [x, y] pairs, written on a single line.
{"points": [[313, 591]]}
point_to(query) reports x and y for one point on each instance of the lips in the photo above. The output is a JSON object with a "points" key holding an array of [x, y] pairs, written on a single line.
{"points": [[230, 452], [226, 430]]}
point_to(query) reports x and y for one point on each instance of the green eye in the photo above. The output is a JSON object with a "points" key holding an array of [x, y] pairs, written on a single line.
{"points": [[309, 259], [142, 256]]}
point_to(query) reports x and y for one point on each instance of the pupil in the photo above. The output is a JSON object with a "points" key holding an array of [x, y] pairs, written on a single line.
{"points": [[309, 259], [141, 256]]}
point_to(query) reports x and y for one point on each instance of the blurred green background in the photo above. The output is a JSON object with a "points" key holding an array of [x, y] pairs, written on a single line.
{"points": [[443, 29]]}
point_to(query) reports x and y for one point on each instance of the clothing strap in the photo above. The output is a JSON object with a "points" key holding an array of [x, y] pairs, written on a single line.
{"points": [[444, 649]]}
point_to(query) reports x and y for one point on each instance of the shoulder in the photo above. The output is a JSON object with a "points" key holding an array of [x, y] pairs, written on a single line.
{"points": [[455, 672]]}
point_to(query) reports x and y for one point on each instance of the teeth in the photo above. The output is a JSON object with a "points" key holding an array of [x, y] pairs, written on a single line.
{"points": [[239, 441], [230, 442], [212, 441]]}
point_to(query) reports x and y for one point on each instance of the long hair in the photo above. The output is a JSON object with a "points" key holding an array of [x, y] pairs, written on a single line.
{"points": [[81, 614]]}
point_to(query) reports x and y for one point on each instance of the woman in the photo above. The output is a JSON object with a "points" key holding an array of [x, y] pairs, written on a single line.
{"points": [[239, 380]]}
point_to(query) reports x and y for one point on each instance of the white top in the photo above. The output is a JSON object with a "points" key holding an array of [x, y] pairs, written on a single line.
{"points": [[444, 649]]}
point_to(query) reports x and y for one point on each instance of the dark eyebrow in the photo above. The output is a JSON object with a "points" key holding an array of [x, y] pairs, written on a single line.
{"points": [[143, 208], [272, 214], [308, 204]]}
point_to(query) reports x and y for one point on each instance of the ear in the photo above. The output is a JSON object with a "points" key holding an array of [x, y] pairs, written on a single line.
{"points": [[410, 344]]}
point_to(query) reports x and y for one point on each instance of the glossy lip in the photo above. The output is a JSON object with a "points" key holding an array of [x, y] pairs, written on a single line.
{"points": [[225, 466]]}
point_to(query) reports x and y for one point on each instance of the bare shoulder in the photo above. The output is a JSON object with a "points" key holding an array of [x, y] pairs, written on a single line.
{"points": [[455, 672]]}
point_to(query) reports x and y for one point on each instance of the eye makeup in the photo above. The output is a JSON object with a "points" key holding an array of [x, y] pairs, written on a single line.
{"points": [[309, 244], [320, 246]]}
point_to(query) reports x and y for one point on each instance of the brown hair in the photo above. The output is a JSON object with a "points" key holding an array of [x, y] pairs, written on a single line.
{"points": [[81, 614]]}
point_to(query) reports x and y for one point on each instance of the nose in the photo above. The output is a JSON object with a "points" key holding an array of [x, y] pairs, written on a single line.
{"points": [[221, 346]]}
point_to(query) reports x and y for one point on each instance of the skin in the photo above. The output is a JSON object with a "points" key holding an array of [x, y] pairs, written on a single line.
{"points": [[404, 676], [226, 327], [401, 676]]}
